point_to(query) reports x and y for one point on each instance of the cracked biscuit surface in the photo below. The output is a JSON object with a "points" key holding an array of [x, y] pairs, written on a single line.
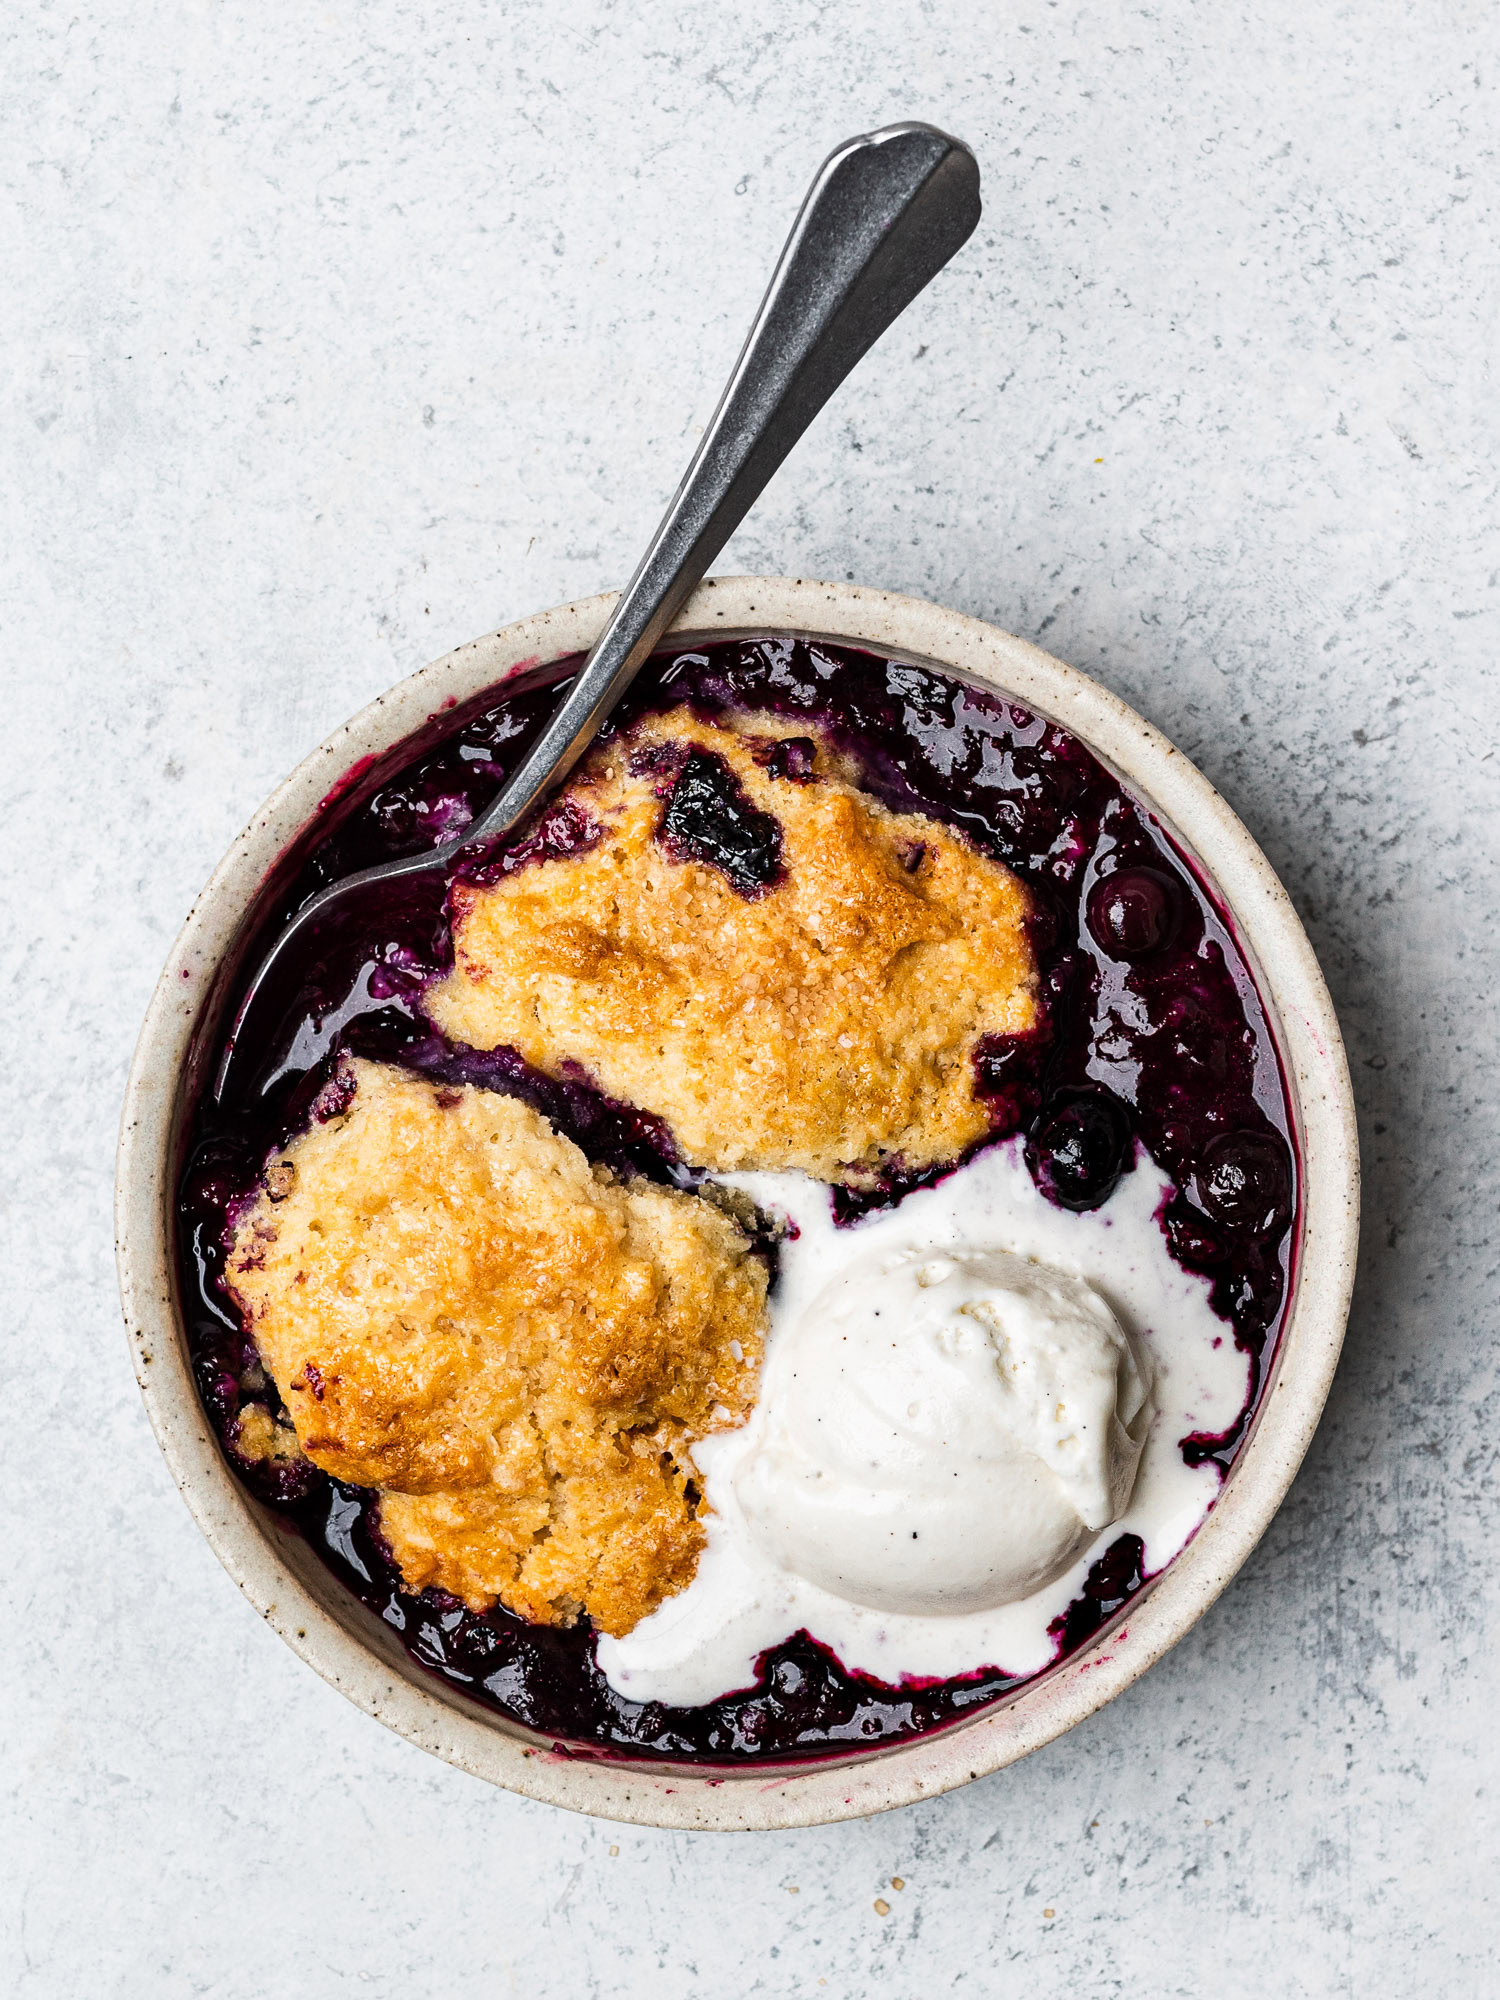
{"points": [[821, 1013], [516, 1350]]}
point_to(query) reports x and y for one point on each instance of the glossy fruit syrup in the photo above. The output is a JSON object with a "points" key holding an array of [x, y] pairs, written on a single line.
{"points": [[1152, 1032]]}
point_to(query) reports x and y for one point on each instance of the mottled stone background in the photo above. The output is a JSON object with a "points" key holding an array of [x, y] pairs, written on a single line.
{"points": [[336, 334]]}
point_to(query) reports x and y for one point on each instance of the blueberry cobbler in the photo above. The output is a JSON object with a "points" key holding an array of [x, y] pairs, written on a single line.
{"points": [[774, 1254]]}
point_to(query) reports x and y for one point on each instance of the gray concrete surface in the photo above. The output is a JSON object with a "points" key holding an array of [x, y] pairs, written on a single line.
{"points": [[334, 335]]}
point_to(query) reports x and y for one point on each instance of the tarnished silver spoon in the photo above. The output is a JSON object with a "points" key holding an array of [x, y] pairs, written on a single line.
{"points": [[883, 216]]}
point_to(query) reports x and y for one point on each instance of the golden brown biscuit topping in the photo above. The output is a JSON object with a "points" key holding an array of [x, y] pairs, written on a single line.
{"points": [[517, 1351], [820, 1013]]}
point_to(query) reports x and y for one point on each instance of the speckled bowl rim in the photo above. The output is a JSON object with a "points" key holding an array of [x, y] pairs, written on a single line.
{"points": [[358, 1654]]}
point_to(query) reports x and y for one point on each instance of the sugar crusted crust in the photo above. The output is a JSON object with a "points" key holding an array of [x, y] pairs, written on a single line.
{"points": [[517, 1351], [826, 1023]]}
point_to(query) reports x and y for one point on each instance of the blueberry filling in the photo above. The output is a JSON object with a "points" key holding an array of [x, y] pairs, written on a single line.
{"points": [[1111, 1582], [1151, 1030], [791, 757], [708, 818]]}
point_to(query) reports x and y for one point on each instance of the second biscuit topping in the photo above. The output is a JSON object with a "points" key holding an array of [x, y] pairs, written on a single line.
{"points": [[515, 1350]]}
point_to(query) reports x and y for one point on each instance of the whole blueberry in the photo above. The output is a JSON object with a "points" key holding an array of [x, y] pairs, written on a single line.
{"points": [[1245, 1181], [1080, 1148], [1134, 913], [1192, 1238]]}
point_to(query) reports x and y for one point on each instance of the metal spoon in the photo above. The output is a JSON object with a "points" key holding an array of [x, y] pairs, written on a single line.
{"points": [[884, 215]]}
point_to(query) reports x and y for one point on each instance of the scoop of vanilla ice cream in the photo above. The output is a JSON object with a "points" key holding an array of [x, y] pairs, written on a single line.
{"points": [[943, 1431]]}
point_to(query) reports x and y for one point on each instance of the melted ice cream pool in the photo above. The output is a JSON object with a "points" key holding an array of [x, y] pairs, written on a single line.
{"points": [[1051, 1394]]}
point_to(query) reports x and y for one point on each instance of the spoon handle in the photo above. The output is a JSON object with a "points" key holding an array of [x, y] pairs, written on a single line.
{"points": [[885, 213]]}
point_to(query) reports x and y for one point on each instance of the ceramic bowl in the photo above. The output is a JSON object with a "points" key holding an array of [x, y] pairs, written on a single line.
{"points": [[353, 1649]]}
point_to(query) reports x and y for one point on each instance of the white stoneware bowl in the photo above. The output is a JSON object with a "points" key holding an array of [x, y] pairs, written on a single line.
{"points": [[353, 1649]]}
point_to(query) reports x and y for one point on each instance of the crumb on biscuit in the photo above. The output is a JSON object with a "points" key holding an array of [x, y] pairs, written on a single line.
{"points": [[261, 1440]]}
